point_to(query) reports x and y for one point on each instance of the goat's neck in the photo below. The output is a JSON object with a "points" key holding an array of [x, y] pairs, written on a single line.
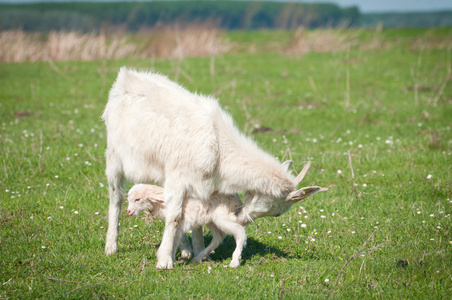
{"points": [[248, 168]]}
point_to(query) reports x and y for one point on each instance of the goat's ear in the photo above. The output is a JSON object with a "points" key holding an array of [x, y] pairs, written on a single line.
{"points": [[303, 193], [287, 164], [155, 197]]}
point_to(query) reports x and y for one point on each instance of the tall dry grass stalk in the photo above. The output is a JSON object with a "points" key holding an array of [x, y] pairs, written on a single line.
{"points": [[165, 41]]}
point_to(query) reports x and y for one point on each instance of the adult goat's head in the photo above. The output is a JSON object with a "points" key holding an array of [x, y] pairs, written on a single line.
{"points": [[259, 205]]}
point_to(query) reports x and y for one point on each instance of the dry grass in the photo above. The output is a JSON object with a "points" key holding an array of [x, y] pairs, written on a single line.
{"points": [[165, 41], [327, 40]]}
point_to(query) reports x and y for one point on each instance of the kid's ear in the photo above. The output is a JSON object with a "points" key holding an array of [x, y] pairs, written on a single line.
{"points": [[303, 193], [155, 197]]}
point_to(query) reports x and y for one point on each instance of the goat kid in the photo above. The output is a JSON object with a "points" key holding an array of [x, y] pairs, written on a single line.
{"points": [[219, 215]]}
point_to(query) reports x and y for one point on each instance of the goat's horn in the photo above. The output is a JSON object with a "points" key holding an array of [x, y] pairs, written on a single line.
{"points": [[303, 172]]}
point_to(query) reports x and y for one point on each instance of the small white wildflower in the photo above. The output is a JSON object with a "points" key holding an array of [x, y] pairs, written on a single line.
{"points": [[327, 280], [101, 184], [321, 210], [329, 231], [274, 140], [339, 171], [101, 226], [279, 237], [418, 212], [306, 217], [288, 229], [429, 176], [43, 247], [353, 231], [76, 212], [56, 176], [272, 275], [322, 216], [49, 218], [269, 232], [432, 215], [96, 213], [432, 239], [419, 124], [360, 146], [135, 226], [364, 184]]}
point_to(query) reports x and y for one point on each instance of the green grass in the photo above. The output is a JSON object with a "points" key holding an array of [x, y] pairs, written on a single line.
{"points": [[53, 191]]}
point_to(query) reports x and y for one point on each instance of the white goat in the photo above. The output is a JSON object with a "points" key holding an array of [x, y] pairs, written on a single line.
{"points": [[158, 131], [219, 215]]}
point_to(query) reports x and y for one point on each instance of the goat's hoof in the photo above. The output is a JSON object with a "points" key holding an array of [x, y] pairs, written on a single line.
{"points": [[234, 264], [110, 249], [184, 254], [164, 264], [195, 261]]}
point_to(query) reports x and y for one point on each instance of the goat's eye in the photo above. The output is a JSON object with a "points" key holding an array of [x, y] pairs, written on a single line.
{"points": [[136, 200]]}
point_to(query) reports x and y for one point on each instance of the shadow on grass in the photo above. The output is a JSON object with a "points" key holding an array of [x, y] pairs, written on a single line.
{"points": [[253, 248]]}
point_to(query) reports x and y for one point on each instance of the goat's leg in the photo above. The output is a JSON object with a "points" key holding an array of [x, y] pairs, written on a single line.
{"points": [[174, 198], [185, 248], [239, 234], [197, 240], [217, 238], [115, 187]]}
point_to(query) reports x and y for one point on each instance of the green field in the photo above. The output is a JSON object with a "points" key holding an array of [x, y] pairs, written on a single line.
{"points": [[390, 105]]}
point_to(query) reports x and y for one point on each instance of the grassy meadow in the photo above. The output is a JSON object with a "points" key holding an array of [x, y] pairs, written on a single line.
{"points": [[383, 95]]}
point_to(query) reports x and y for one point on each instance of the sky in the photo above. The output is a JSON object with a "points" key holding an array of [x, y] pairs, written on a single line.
{"points": [[365, 6]]}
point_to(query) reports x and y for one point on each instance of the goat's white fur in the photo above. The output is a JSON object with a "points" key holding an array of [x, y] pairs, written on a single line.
{"points": [[219, 214], [158, 131]]}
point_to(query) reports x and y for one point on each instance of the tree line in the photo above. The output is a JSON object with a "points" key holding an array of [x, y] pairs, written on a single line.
{"points": [[233, 15]]}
